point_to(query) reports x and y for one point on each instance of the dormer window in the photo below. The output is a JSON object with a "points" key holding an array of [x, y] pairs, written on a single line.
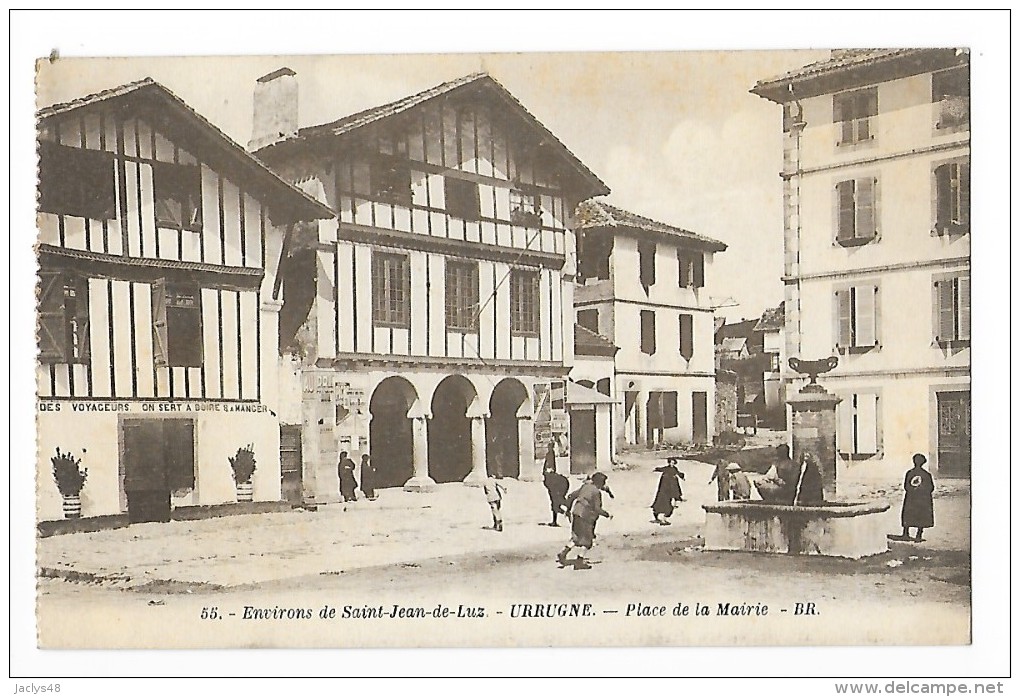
{"points": [[178, 196], [525, 209]]}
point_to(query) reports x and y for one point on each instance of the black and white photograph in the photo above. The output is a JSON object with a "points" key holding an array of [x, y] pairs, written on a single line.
{"points": [[490, 349]]}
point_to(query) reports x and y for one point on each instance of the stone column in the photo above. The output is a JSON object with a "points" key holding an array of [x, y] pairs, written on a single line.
{"points": [[813, 429], [531, 470], [478, 473], [421, 481]]}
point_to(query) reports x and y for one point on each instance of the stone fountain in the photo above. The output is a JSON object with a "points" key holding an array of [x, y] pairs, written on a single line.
{"points": [[799, 516]]}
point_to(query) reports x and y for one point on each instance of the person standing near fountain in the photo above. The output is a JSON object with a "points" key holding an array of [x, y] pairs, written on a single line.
{"points": [[739, 484], [918, 510], [782, 486]]}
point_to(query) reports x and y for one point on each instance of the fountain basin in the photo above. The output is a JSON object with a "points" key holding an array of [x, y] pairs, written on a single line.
{"points": [[836, 529]]}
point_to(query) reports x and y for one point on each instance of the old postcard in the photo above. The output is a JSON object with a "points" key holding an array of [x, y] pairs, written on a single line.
{"points": [[504, 350]]}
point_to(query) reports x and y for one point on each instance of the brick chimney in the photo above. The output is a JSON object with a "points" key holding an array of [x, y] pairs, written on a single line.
{"points": [[275, 108]]}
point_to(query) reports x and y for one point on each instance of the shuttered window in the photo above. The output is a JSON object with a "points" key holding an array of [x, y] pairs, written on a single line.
{"points": [[589, 319], [692, 269], [63, 329], [687, 336], [951, 310], [75, 181], [952, 198], [391, 290], [856, 211], [855, 315], [858, 427], [950, 92], [462, 296], [648, 331], [462, 198], [390, 179], [524, 292], [176, 325], [646, 261], [178, 195], [852, 113]]}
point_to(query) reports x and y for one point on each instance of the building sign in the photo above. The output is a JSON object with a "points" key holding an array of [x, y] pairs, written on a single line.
{"points": [[551, 421]]}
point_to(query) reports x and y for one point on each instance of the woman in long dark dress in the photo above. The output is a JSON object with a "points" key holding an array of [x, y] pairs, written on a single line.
{"points": [[348, 484], [368, 477], [918, 510], [668, 492]]}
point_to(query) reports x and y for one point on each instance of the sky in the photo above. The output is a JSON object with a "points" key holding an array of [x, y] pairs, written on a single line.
{"points": [[675, 135]]}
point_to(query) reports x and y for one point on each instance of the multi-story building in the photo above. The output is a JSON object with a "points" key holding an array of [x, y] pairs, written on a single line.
{"points": [[641, 284], [876, 190], [432, 319], [159, 243]]}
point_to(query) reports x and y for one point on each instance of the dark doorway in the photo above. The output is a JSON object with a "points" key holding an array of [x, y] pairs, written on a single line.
{"points": [[582, 441], [699, 416], [390, 435], [290, 464], [450, 431], [159, 458], [953, 434], [502, 444]]}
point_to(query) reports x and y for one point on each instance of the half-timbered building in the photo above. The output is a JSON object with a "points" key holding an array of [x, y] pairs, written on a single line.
{"points": [[158, 301], [432, 319]]}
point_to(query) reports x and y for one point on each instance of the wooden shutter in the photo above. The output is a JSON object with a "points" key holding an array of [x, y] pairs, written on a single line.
{"points": [[842, 313], [686, 269], [51, 317], [845, 210], [867, 424], [866, 226], [648, 331], [845, 425], [654, 410], [687, 336], [668, 400], [82, 319], [945, 330], [865, 316], [964, 212], [179, 450], [646, 257], [963, 308], [699, 270], [943, 198], [160, 343]]}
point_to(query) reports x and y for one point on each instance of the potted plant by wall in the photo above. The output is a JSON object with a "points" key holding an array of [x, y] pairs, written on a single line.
{"points": [[70, 478], [243, 466]]}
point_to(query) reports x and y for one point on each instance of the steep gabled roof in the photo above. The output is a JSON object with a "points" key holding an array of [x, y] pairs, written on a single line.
{"points": [[850, 68], [599, 214], [173, 117], [588, 343], [591, 185]]}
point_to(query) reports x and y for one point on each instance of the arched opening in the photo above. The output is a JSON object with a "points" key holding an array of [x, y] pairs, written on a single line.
{"points": [[390, 434], [502, 442], [450, 430]]}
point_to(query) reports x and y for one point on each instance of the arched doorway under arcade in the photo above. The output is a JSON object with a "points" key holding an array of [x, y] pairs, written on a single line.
{"points": [[450, 430], [390, 433], [502, 432]]}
